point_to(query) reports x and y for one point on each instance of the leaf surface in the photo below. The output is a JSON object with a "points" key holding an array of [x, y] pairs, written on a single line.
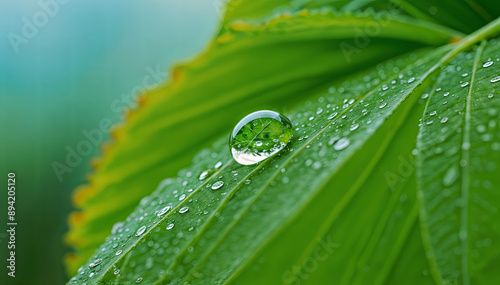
{"points": [[301, 216], [459, 155], [246, 68], [214, 236]]}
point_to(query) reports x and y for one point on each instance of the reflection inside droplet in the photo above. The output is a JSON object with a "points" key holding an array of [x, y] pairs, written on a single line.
{"points": [[258, 136]]}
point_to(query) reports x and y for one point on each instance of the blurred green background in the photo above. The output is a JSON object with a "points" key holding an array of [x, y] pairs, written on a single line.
{"points": [[65, 68]]}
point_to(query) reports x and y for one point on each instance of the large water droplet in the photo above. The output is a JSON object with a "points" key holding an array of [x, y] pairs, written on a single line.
{"points": [[218, 165], [258, 136]]}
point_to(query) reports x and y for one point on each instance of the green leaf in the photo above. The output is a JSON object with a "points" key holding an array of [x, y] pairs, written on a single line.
{"points": [[473, 13], [252, 10], [305, 203], [459, 155], [247, 67]]}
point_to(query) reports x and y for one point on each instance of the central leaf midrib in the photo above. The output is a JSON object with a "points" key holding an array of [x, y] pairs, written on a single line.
{"points": [[256, 136], [465, 183]]}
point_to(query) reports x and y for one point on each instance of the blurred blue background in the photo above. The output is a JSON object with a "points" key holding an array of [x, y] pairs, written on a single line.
{"points": [[65, 68]]}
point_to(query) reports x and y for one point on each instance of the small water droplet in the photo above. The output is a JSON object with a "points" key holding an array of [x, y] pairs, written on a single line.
{"points": [[140, 231], [332, 115], [117, 227], [354, 127], [490, 96], [138, 280], [252, 139], [316, 165], [481, 128], [495, 146], [450, 176], [382, 106], [466, 145], [95, 263], [488, 64], [217, 185], [218, 165], [341, 144], [495, 79], [464, 84], [170, 226], [444, 120], [462, 235], [119, 252], [465, 74], [184, 210], [205, 174]]}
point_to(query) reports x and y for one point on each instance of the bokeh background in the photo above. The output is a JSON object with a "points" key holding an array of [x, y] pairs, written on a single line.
{"points": [[65, 68]]}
